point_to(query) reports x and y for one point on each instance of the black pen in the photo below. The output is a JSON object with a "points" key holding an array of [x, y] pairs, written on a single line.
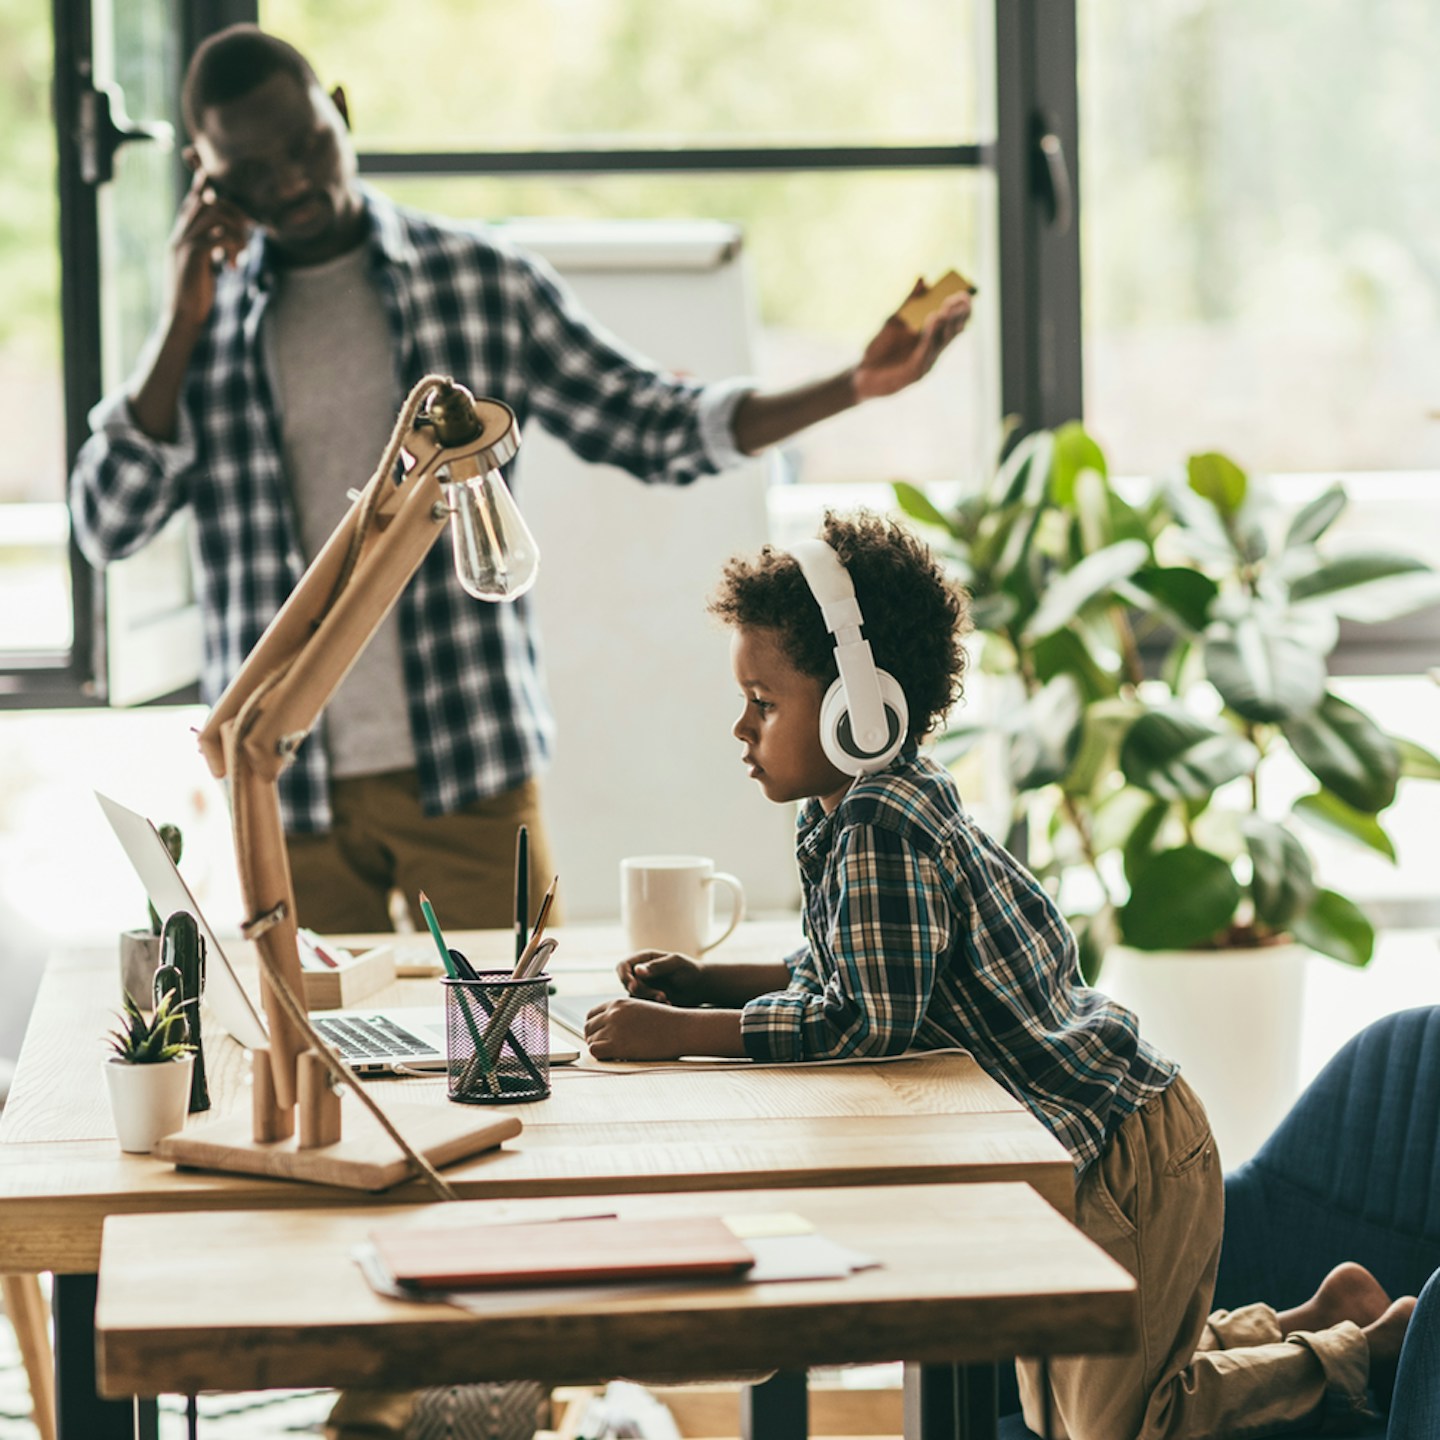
{"points": [[522, 889]]}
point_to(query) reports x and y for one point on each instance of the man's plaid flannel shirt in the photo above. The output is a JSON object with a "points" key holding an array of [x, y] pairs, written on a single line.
{"points": [[925, 933], [460, 303]]}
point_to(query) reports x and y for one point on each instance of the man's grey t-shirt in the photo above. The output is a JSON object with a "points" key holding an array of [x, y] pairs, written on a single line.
{"points": [[331, 359]]}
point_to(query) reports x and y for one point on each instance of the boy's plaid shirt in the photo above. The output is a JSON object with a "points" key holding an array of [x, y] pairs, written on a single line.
{"points": [[461, 304], [925, 933]]}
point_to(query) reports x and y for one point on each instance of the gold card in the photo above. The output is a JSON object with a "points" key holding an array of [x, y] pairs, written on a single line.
{"points": [[915, 312]]}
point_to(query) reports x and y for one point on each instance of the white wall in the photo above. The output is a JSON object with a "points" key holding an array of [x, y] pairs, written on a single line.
{"points": [[638, 672]]}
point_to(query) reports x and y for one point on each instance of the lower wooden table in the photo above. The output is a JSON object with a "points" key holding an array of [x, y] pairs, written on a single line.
{"points": [[968, 1275]]}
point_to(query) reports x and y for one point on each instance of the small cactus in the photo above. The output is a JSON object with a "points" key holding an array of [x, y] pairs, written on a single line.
{"points": [[174, 843], [182, 973]]}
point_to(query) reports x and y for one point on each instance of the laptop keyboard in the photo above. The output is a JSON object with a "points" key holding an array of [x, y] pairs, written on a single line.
{"points": [[371, 1038]]}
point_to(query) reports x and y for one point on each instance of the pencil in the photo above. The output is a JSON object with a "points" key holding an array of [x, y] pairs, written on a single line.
{"points": [[522, 889], [463, 1000], [537, 934], [427, 910]]}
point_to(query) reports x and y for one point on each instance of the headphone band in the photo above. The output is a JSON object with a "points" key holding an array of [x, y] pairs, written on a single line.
{"points": [[834, 592]]}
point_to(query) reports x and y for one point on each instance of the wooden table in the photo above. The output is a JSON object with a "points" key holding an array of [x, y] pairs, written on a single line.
{"points": [[933, 1120], [249, 1300]]}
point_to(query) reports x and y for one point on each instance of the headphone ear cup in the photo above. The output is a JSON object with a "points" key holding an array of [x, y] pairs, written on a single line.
{"points": [[839, 744]]}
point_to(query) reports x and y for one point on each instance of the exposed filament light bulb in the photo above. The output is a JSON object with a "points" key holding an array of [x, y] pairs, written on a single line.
{"points": [[496, 556]]}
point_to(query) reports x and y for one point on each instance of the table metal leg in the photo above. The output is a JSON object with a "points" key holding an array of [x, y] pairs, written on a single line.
{"points": [[80, 1413], [776, 1409], [950, 1402]]}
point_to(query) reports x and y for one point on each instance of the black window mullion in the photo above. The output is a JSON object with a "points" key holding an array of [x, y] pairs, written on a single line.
{"points": [[1037, 129], [69, 678]]}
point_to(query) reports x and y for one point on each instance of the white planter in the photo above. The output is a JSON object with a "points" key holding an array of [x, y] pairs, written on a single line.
{"points": [[1232, 1019], [148, 1101]]}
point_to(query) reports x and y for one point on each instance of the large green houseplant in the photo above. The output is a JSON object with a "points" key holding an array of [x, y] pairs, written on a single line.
{"points": [[1167, 652]]}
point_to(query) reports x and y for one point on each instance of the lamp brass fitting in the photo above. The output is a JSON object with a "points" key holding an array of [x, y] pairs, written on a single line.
{"points": [[451, 413]]}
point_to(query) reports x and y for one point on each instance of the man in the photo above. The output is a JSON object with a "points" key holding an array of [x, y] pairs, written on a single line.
{"points": [[302, 307]]}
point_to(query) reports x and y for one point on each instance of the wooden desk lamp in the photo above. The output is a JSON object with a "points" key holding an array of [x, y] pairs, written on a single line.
{"points": [[454, 445]]}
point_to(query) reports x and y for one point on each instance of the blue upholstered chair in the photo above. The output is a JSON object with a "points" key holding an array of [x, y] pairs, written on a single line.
{"points": [[1351, 1173]]}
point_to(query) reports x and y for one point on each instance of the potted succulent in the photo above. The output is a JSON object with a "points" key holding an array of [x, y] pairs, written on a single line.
{"points": [[140, 949], [148, 1076], [1162, 654]]}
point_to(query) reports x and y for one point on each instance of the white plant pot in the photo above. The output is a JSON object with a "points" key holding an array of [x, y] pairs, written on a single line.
{"points": [[148, 1102], [1232, 1018]]}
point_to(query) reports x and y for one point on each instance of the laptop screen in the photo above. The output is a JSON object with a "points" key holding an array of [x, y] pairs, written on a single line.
{"points": [[168, 892]]}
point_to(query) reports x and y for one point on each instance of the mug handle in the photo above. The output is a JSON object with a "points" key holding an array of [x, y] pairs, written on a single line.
{"points": [[737, 906]]}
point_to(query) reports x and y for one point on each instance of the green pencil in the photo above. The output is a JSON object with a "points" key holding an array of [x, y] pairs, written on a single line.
{"points": [[427, 910], [486, 1069]]}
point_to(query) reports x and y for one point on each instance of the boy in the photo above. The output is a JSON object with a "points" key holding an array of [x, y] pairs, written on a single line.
{"points": [[923, 932]]}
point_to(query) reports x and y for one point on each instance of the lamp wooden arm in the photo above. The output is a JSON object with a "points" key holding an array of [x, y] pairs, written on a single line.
{"points": [[307, 650]]}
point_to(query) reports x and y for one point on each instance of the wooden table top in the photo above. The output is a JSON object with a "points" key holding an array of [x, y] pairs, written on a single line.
{"points": [[932, 1119], [260, 1299]]}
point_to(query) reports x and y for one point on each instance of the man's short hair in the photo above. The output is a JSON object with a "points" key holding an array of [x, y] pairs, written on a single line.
{"points": [[231, 63], [915, 617]]}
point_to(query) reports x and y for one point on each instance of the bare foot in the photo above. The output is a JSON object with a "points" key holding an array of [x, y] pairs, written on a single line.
{"points": [[1385, 1336], [1348, 1292]]}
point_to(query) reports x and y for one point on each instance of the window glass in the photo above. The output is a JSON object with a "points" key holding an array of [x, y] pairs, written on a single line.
{"points": [[830, 256], [486, 74], [34, 573], [136, 52], [1261, 237]]}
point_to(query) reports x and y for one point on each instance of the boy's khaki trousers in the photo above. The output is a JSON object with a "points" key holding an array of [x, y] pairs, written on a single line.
{"points": [[1154, 1201]]}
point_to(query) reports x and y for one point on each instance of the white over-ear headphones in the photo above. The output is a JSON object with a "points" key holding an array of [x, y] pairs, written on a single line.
{"points": [[864, 720]]}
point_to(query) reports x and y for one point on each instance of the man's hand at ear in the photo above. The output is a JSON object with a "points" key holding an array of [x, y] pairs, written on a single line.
{"points": [[208, 232]]}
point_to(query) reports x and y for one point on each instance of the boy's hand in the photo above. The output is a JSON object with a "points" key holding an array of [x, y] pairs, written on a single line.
{"points": [[632, 1030], [665, 977]]}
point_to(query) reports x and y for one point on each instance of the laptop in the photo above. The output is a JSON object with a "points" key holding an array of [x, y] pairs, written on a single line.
{"points": [[370, 1042], [569, 1011]]}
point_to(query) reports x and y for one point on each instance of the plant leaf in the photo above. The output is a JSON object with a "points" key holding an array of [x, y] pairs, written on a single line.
{"points": [[1066, 653], [1370, 585], [1181, 899], [1046, 735], [917, 505], [1347, 752], [1185, 595], [1025, 472], [1283, 882], [1201, 529], [1261, 672], [1219, 480], [1094, 575], [1337, 927], [1075, 450], [1415, 760], [1314, 519], [994, 612], [1140, 847], [1103, 724], [1178, 756], [1331, 813]]}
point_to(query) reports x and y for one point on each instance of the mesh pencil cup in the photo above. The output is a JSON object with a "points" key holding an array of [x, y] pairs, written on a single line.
{"points": [[497, 1039]]}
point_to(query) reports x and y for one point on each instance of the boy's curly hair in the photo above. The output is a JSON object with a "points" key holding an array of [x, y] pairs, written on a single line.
{"points": [[915, 618]]}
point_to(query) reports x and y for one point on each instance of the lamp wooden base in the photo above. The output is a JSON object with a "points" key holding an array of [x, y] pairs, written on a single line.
{"points": [[364, 1159]]}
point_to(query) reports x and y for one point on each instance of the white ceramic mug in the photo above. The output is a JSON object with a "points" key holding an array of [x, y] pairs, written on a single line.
{"points": [[667, 902]]}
